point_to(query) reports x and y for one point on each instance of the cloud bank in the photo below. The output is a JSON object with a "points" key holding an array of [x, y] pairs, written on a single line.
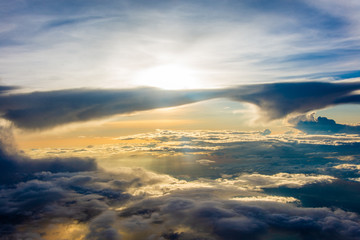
{"points": [[76, 199], [15, 168], [38, 110]]}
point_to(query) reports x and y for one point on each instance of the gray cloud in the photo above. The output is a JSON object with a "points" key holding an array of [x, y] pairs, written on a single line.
{"points": [[322, 125], [138, 204], [38, 110], [15, 167], [48, 109], [277, 100], [221, 219], [5, 89], [101, 227]]}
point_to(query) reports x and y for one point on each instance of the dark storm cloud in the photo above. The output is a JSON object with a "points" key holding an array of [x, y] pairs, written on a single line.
{"points": [[323, 125], [39, 110]]}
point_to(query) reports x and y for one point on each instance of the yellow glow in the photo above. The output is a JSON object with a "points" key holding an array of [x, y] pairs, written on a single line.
{"points": [[57, 231], [170, 76], [62, 231], [48, 142], [31, 140]]}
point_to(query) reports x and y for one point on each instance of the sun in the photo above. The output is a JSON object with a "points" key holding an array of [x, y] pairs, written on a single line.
{"points": [[170, 76]]}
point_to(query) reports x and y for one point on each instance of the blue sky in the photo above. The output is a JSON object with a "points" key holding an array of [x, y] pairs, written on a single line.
{"points": [[71, 44]]}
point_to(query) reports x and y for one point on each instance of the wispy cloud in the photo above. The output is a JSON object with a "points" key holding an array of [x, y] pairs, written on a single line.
{"points": [[231, 42]]}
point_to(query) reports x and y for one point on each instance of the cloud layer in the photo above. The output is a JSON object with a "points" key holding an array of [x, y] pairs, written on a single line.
{"points": [[38, 110], [71, 198], [48, 109]]}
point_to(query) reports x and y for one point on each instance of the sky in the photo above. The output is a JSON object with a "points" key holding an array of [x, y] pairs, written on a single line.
{"points": [[179, 120]]}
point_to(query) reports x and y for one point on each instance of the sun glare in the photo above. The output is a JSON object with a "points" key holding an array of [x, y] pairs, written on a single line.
{"points": [[169, 76]]}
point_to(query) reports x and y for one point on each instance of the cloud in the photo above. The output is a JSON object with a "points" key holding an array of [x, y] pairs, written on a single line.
{"points": [[205, 162], [225, 152], [15, 168], [265, 132], [48, 198], [234, 152], [39, 110], [134, 203], [266, 199], [101, 227], [333, 195], [277, 100], [48, 109], [226, 219], [322, 125], [5, 89]]}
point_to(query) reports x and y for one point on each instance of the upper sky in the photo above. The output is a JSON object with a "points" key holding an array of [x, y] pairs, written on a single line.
{"points": [[176, 44]]}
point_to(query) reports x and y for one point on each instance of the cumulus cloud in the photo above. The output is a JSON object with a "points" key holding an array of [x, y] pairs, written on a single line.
{"points": [[219, 212], [101, 227], [136, 204], [322, 125], [133, 203], [212, 154], [231, 219], [39, 110], [236, 151]]}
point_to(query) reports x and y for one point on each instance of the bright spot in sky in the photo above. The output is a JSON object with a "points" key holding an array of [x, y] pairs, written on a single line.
{"points": [[168, 76]]}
